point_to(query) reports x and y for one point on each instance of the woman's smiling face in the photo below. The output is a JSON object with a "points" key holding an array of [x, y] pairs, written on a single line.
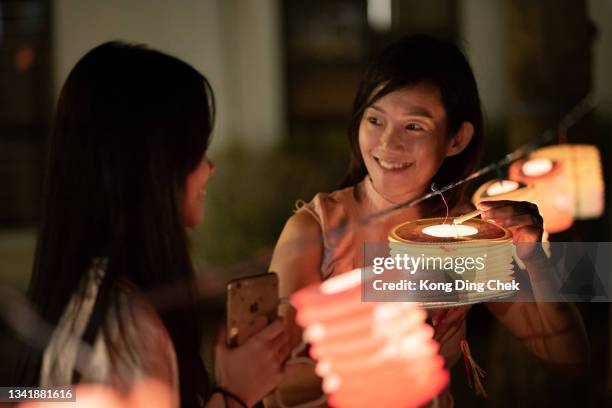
{"points": [[403, 141]]}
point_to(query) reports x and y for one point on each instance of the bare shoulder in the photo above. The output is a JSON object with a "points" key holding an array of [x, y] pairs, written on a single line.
{"points": [[302, 223], [137, 331], [298, 253]]}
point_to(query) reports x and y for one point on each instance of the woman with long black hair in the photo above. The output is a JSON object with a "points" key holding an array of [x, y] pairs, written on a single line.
{"points": [[127, 173]]}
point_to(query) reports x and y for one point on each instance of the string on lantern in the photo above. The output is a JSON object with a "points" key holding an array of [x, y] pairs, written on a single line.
{"points": [[435, 190]]}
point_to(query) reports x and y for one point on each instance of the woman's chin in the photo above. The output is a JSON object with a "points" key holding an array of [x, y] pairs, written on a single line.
{"points": [[398, 192]]}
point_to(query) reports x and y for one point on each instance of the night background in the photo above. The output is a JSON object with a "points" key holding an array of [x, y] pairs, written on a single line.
{"points": [[284, 75]]}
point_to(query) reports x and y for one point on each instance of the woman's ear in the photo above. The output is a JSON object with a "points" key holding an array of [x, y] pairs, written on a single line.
{"points": [[460, 140]]}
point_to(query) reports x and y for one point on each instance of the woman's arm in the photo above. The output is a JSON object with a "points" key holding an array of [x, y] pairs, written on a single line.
{"points": [[552, 331], [297, 261]]}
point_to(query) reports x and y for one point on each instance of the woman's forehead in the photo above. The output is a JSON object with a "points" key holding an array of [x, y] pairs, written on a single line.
{"points": [[422, 99]]}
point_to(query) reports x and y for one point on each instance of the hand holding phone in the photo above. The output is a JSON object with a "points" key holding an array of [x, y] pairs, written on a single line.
{"points": [[248, 300]]}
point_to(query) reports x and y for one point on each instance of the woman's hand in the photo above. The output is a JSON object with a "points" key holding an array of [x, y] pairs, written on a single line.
{"points": [[522, 218], [252, 370]]}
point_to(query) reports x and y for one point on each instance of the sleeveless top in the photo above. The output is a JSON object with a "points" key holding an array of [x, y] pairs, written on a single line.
{"points": [[342, 251], [134, 345]]}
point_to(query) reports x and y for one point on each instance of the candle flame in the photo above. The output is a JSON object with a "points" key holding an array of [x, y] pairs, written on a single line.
{"points": [[501, 187], [537, 167], [450, 230]]}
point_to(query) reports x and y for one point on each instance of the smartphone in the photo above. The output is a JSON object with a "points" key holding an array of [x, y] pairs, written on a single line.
{"points": [[247, 299]]}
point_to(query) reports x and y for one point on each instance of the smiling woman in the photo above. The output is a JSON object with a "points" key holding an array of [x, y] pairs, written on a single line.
{"points": [[416, 120], [403, 136]]}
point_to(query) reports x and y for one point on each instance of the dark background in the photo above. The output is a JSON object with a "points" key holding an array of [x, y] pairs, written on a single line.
{"points": [[285, 73]]}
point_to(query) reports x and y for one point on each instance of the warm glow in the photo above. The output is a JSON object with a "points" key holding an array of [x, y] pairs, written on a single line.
{"points": [[369, 354], [501, 187], [537, 167], [450, 230], [584, 176], [341, 283], [552, 189]]}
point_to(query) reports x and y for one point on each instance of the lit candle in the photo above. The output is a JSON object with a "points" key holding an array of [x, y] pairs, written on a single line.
{"points": [[495, 190], [537, 167], [450, 230], [502, 187]]}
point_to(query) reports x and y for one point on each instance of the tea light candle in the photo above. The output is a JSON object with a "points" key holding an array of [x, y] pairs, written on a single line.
{"points": [[502, 187], [450, 230], [495, 190], [537, 167]]}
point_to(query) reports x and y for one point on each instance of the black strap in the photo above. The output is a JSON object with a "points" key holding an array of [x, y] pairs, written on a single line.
{"points": [[91, 330]]}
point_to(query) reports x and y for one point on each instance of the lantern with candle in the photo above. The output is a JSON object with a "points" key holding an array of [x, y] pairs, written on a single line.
{"points": [[552, 190], [584, 176], [369, 353], [496, 190], [488, 245]]}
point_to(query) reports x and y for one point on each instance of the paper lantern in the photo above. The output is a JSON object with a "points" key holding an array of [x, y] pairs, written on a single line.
{"points": [[584, 176], [496, 190], [369, 353], [440, 239], [552, 190]]}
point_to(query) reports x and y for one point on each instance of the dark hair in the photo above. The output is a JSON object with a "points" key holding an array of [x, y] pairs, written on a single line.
{"points": [[131, 124], [423, 59]]}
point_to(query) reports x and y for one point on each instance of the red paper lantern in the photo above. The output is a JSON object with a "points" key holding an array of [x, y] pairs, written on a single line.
{"points": [[369, 353]]}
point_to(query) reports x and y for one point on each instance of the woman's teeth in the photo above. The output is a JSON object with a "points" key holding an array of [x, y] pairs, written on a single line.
{"points": [[392, 165]]}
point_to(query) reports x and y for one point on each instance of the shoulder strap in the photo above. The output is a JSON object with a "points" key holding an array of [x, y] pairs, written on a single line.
{"points": [[94, 322]]}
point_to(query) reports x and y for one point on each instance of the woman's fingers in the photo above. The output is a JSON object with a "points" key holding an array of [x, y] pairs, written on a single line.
{"points": [[528, 234], [511, 213], [518, 221], [507, 209], [520, 217], [283, 352], [280, 340], [272, 330], [260, 323]]}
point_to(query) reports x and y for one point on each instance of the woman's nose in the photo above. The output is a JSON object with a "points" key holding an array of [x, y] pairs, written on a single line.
{"points": [[391, 139]]}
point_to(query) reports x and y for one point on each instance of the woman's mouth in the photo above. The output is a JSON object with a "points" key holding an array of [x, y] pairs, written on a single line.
{"points": [[392, 165]]}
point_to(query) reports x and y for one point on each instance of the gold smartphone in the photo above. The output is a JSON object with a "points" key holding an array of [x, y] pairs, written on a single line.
{"points": [[247, 299]]}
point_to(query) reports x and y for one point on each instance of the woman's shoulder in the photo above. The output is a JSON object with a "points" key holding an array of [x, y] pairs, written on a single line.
{"points": [[139, 339], [330, 199], [325, 208], [134, 341]]}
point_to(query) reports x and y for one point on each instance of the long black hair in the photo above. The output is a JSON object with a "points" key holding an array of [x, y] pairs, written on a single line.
{"points": [[423, 59], [131, 124]]}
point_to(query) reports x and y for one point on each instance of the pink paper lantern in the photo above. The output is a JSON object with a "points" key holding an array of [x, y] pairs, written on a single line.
{"points": [[369, 353]]}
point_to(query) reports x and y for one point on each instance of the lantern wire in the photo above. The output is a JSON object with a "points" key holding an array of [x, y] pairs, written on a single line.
{"points": [[435, 190]]}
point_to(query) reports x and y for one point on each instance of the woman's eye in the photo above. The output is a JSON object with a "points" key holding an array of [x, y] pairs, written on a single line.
{"points": [[373, 120], [414, 126]]}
